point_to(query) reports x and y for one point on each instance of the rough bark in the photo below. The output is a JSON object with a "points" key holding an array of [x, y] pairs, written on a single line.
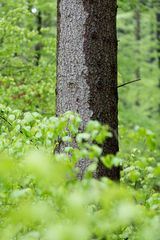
{"points": [[87, 67]]}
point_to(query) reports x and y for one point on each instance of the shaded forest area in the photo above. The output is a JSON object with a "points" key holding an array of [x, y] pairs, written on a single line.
{"points": [[41, 196]]}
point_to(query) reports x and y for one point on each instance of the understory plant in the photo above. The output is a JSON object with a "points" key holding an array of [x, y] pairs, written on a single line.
{"points": [[41, 197]]}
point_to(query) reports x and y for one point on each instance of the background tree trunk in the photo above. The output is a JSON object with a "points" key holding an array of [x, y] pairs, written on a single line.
{"points": [[158, 50], [137, 15], [38, 46], [87, 66]]}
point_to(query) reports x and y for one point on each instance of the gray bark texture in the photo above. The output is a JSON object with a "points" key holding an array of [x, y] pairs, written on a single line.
{"points": [[87, 67]]}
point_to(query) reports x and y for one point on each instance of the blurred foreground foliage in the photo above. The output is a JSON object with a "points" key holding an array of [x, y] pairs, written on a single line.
{"points": [[40, 195]]}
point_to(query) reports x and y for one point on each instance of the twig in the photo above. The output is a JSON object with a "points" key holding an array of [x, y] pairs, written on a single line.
{"points": [[124, 84], [19, 130], [5, 120]]}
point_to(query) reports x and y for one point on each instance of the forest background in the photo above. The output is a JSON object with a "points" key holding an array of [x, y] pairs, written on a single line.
{"points": [[27, 109]]}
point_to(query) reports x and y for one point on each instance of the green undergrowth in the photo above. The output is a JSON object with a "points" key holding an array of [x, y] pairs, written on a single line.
{"points": [[41, 197]]}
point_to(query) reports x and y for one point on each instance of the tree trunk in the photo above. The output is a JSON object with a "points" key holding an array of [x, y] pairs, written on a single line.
{"points": [[137, 16], [158, 51], [38, 46], [87, 66], [138, 38]]}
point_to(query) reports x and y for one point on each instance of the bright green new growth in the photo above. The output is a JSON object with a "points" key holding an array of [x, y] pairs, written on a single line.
{"points": [[27, 54], [41, 197]]}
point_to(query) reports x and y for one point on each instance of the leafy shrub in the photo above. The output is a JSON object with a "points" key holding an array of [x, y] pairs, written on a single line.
{"points": [[41, 197], [28, 54]]}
